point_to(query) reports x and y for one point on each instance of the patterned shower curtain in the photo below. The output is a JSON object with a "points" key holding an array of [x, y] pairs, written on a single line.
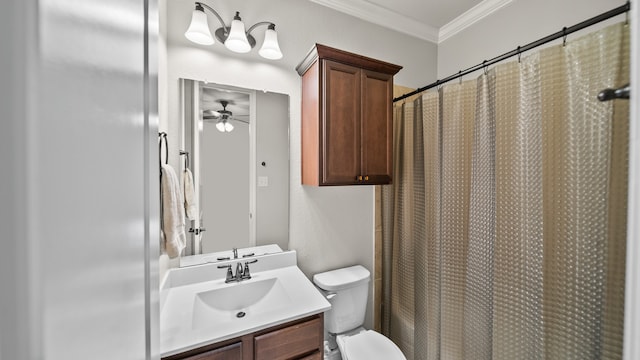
{"points": [[504, 228]]}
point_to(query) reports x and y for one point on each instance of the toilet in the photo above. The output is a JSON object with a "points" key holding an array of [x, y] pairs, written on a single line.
{"points": [[347, 290]]}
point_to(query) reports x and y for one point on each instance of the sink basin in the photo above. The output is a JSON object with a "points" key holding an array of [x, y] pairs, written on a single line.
{"points": [[239, 301]]}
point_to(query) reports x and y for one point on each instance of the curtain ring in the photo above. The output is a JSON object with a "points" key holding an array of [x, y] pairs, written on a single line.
{"points": [[484, 66], [564, 36], [519, 54]]}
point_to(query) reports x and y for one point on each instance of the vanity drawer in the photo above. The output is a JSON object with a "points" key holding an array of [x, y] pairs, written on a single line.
{"points": [[229, 352], [291, 342], [315, 356]]}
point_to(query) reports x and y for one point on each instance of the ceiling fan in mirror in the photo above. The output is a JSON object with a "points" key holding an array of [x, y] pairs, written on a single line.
{"points": [[223, 116]]}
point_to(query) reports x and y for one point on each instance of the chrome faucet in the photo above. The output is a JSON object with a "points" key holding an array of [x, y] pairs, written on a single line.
{"points": [[241, 273]]}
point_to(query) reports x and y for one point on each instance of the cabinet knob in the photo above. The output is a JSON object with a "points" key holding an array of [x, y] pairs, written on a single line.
{"points": [[359, 177], [366, 178]]}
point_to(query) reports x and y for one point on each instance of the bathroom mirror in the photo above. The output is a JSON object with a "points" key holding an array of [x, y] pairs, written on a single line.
{"points": [[237, 141]]}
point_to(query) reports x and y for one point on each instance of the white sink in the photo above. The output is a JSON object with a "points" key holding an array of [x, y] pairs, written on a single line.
{"points": [[236, 302], [198, 308]]}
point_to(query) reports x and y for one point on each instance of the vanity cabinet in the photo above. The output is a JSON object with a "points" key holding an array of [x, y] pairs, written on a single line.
{"points": [[346, 118], [300, 339]]}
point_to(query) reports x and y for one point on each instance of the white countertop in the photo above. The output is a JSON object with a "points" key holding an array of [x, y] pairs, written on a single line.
{"points": [[182, 328]]}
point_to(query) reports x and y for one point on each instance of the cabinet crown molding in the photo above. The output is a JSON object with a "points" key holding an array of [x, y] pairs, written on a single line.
{"points": [[323, 52]]}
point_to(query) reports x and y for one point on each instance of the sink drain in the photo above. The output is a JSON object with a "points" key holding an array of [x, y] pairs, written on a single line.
{"points": [[240, 314]]}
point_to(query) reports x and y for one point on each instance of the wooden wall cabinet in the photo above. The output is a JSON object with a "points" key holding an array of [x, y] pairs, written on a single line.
{"points": [[301, 339], [347, 120]]}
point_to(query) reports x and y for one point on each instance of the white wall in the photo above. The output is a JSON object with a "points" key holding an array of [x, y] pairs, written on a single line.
{"points": [[223, 184], [329, 227], [272, 149], [78, 210], [516, 24]]}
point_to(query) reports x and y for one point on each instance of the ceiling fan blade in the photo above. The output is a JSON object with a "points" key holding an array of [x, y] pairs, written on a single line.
{"points": [[211, 114]]}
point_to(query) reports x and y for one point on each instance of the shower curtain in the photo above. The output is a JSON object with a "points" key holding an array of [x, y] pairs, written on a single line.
{"points": [[504, 228]]}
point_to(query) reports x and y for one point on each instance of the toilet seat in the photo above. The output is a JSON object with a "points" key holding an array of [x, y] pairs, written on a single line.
{"points": [[368, 345]]}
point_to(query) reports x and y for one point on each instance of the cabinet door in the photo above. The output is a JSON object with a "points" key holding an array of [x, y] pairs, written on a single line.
{"points": [[340, 133], [229, 352], [377, 127]]}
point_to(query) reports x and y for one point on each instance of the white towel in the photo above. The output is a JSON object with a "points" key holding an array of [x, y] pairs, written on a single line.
{"points": [[172, 213], [189, 198]]}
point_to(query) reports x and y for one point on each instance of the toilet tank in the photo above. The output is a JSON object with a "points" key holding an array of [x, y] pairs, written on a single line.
{"points": [[347, 290]]}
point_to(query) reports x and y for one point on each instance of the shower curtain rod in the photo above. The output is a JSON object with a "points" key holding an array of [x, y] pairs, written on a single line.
{"points": [[560, 34]]}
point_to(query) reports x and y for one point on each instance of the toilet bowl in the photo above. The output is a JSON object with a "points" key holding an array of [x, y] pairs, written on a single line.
{"points": [[367, 344], [347, 290]]}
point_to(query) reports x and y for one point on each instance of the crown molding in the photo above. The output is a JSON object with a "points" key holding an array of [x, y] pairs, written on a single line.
{"points": [[384, 17], [470, 17]]}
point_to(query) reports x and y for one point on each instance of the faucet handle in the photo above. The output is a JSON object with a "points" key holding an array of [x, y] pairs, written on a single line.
{"points": [[246, 274], [230, 277]]}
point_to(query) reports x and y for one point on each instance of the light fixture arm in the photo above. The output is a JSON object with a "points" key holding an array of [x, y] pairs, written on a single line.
{"points": [[216, 14], [267, 23], [225, 28]]}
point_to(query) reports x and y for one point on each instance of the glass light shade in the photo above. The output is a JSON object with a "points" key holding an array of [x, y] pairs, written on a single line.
{"points": [[237, 40], [198, 30], [224, 126], [270, 48]]}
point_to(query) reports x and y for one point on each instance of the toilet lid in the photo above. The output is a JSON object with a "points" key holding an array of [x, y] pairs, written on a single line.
{"points": [[369, 345]]}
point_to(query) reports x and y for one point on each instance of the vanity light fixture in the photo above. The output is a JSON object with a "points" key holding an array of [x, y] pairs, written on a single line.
{"points": [[234, 37]]}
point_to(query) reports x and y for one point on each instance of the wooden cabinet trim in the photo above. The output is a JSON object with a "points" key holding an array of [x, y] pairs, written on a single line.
{"points": [[320, 51], [310, 126]]}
